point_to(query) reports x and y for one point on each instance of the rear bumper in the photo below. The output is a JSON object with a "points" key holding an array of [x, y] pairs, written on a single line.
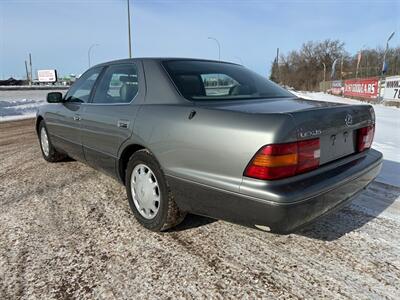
{"points": [[284, 205]]}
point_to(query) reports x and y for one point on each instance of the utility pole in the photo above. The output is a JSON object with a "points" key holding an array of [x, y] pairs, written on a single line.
{"points": [[30, 66], [129, 30], [27, 72]]}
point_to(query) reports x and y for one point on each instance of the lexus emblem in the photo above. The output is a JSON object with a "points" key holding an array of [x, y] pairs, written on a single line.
{"points": [[348, 120]]}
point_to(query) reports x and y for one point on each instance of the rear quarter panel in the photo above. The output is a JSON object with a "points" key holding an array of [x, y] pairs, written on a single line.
{"points": [[212, 148]]}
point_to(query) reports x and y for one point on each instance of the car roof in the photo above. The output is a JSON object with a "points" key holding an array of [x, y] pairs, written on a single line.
{"points": [[159, 59], [165, 91]]}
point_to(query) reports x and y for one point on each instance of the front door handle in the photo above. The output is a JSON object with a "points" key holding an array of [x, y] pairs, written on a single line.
{"points": [[77, 118], [123, 124]]}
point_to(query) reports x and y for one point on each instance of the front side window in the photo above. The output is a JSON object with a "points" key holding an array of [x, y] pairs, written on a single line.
{"points": [[206, 80], [119, 84], [81, 89]]}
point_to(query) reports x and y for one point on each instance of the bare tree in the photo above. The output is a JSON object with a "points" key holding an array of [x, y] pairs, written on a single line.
{"points": [[303, 69]]}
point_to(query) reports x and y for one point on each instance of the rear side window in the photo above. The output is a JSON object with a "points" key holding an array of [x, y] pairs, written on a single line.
{"points": [[206, 80], [119, 84]]}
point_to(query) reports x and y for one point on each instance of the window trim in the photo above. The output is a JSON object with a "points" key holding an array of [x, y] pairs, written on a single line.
{"points": [[90, 102], [102, 68], [164, 63]]}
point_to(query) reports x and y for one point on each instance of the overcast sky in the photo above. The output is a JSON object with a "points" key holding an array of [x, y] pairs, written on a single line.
{"points": [[58, 33]]}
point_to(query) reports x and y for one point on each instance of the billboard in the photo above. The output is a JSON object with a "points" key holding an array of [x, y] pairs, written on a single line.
{"points": [[362, 88], [336, 88], [392, 88], [47, 75]]}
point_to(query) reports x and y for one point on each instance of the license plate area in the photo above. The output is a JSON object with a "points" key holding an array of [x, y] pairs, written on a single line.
{"points": [[337, 145]]}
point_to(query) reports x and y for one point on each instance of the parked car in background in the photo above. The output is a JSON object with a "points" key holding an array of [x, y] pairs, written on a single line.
{"points": [[211, 138]]}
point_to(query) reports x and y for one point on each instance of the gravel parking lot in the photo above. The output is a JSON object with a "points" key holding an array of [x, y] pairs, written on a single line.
{"points": [[66, 231]]}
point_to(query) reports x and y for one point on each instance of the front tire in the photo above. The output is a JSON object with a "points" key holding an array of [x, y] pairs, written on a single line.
{"points": [[149, 196], [49, 153]]}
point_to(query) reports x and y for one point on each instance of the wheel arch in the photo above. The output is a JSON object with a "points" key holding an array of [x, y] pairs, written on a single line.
{"points": [[124, 158], [38, 120]]}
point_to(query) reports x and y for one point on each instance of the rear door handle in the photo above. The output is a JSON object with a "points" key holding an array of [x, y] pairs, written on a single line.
{"points": [[77, 118], [123, 124]]}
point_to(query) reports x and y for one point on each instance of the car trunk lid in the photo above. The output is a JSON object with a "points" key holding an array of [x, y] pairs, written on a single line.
{"points": [[334, 124], [336, 127]]}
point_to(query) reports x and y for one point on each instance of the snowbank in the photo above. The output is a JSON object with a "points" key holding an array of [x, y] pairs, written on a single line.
{"points": [[21, 104]]}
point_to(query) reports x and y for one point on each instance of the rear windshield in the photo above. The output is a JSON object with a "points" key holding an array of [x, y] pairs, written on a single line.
{"points": [[205, 80]]}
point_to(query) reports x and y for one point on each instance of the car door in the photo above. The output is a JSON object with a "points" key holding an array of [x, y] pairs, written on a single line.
{"points": [[108, 119], [63, 122]]}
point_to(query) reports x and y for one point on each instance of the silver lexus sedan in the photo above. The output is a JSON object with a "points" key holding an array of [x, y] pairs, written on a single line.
{"points": [[211, 138]]}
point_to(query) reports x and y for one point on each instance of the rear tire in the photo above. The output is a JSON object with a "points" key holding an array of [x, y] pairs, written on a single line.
{"points": [[149, 195], [49, 153]]}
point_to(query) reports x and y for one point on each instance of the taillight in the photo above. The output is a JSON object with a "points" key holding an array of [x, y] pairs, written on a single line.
{"points": [[284, 160], [365, 136], [273, 161], [309, 154]]}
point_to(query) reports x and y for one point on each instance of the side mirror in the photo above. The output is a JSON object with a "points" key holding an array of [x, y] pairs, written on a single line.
{"points": [[54, 97]]}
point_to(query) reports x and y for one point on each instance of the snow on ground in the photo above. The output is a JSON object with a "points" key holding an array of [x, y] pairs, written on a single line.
{"points": [[387, 134], [22, 104], [66, 232]]}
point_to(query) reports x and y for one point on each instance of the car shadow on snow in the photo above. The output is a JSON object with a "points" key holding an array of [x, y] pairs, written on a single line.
{"points": [[365, 207]]}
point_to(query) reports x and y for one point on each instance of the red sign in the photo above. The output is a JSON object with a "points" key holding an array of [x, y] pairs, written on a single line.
{"points": [[362, 88]]}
